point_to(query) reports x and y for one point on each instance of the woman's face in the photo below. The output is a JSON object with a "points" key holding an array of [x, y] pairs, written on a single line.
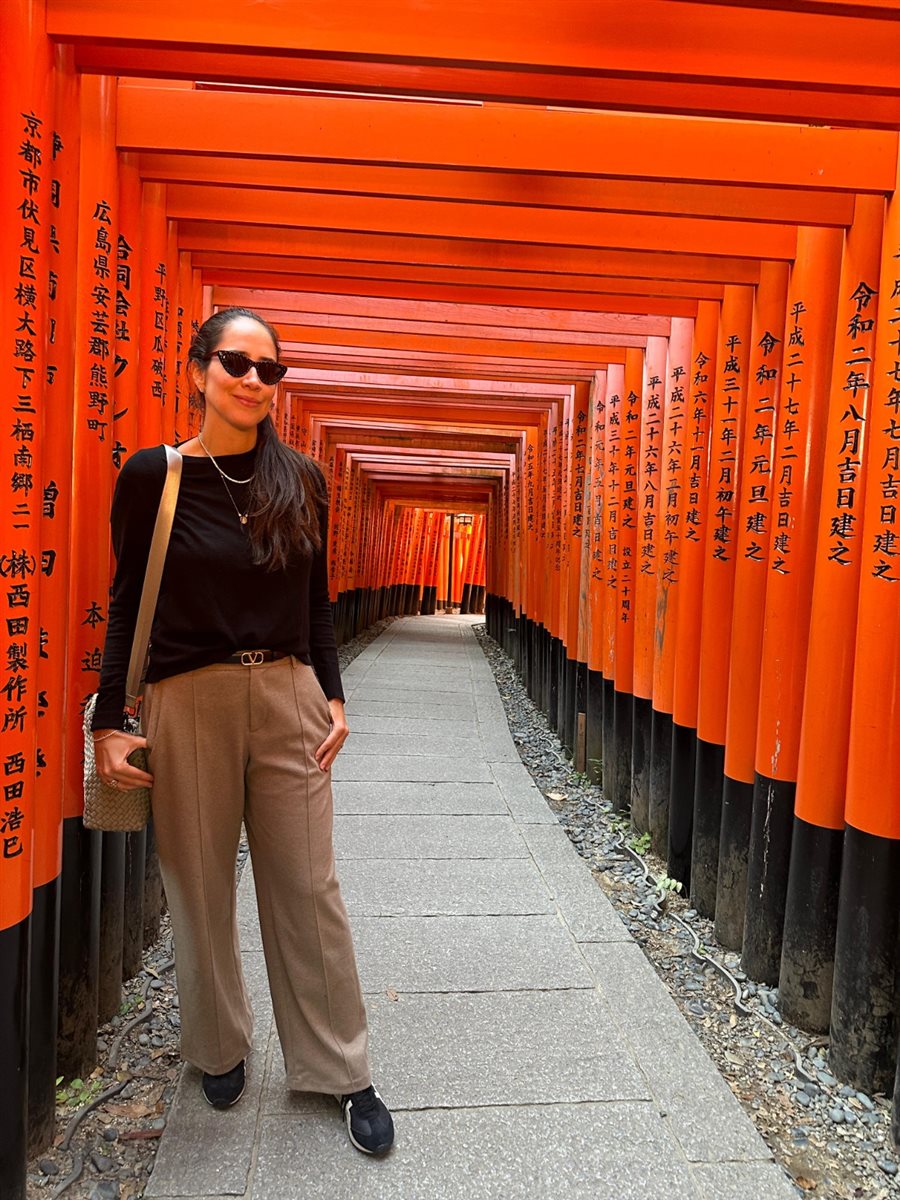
{"points": [[241, 403]]}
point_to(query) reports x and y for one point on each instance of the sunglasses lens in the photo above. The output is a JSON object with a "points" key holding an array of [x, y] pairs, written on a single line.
{"points": [[237, 364], [270, 372], [234, 362]]}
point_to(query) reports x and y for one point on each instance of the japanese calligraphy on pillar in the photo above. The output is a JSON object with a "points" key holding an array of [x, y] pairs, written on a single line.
{"points": [[125, 341], [789, 437], [612, 493], [631, 445], [26, 220], [100, 327], [580, 463], [698, 432], [597, 506], [885, 465], [159, 346], [651, 450], [727, 432], [844, 461], [757, 499], [673, 464]]}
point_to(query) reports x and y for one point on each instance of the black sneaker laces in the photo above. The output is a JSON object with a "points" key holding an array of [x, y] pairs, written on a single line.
{"points": [[365, 1102]]}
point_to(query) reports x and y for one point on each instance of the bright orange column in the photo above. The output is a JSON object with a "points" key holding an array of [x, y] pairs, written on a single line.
{"points": [[797, 480], [756, 517]]}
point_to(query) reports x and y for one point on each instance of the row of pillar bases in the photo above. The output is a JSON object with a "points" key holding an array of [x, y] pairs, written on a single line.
{"points": [[358, 608], [821, 922]]}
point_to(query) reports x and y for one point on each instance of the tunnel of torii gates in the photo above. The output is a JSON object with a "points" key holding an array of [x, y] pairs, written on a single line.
{"points": [[567, 349]]}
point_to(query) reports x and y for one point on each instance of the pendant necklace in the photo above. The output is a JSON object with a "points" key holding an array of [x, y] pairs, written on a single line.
{"points": [[242, 516]]}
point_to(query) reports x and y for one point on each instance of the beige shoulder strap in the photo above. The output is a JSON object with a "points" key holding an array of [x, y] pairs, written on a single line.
{"points": [[153, 575]]}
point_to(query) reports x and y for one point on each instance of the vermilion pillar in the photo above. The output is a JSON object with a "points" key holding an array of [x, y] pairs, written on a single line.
{"points": [[26, 141], [94, 354], [693, 502], [755, 520], [154, 299], [668, 572], [612, 506], [797, 481], [810, 923], [864, 1013], [596, 589], [56, 437], [649, 503], [698, 766]]}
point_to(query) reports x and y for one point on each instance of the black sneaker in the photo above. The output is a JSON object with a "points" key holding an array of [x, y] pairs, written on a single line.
{"points": [[221, 1091], [369, 1123]]}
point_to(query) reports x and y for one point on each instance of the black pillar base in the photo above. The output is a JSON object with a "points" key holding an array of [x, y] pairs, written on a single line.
{"points": [[710, 781], [580, 741], [731, 883], [681, 803], [553, 689], [133, 938], [640, 764], [608, 755], [810, 926], [864, 1004], [660, 781], [112, 926], [623, 720], [567, 726], [14, 943], [594, 727], [42, 1016], [767, 876], [79, 949], [153, 889]]}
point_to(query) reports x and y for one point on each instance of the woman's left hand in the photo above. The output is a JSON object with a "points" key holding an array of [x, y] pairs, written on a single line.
{"points": [[328, 751]]}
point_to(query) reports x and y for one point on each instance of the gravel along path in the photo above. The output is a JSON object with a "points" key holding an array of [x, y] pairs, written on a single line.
{"points": [[105, 1150], [832, 1140]]}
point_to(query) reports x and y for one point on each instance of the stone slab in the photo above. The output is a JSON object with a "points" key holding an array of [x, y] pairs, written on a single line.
{"points": [[466, 954], [374, 706], [409, 769], [427, 837], [486, 1048], [705, 1117], [548, 843], [421, 695], [227, 1137], [442, 887], [464, 725], [425, 799], [743, 1181], [439, 742], [564, 1152], [583, 905], [524, 800]]}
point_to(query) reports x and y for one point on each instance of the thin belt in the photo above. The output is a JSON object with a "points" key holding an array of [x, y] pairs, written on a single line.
{"points": [[253, 658]]}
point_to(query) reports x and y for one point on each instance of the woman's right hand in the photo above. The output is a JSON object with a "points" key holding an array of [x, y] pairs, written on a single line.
{"points": [[111, 756]]}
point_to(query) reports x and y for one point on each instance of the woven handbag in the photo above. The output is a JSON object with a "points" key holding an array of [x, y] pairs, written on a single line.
{"points": [[110, 808]]}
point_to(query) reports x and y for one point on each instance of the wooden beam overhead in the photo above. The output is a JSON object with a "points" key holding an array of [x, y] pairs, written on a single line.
{"points": [[576, 89], [600, 144], [659, 39], [727, 202], [458, 252], [490, 223]]}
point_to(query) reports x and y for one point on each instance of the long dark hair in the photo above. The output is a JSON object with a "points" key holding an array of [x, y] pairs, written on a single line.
{"points": [[288, 487]]}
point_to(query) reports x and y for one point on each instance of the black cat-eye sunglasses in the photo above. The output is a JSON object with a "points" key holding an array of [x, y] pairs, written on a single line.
{"points": [[237, 364]]}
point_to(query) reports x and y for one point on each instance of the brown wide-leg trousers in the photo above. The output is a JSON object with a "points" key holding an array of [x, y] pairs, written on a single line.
{"points": [[229, 743]]}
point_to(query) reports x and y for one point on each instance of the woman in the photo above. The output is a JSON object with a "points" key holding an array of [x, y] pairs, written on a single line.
{"points": [[243, 714]]}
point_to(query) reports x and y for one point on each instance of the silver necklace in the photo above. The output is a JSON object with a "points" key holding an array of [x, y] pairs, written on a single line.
{"points": [[218, 468], [242, 516]]}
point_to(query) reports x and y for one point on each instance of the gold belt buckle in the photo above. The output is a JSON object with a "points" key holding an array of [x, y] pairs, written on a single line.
{"points": [[251, 658]]}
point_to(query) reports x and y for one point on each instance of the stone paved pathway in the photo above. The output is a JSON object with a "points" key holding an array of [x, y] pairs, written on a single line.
{"points": [[531, 1050]]}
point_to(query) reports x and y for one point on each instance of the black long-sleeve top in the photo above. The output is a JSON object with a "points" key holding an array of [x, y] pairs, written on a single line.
{"points": [[213, 600]]}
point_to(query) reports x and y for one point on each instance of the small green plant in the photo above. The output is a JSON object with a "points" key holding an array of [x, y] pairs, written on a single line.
{"points": [[77, 1092], [640, 845], [667, 884]]}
